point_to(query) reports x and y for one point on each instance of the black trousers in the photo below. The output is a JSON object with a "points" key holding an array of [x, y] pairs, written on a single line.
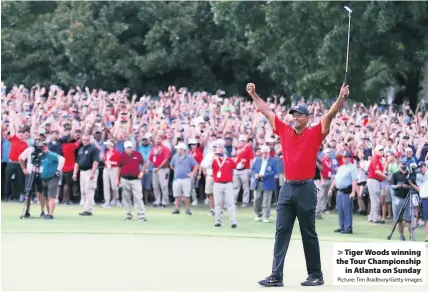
{"points": [[3, 179], [297, 201], [14, 168]]}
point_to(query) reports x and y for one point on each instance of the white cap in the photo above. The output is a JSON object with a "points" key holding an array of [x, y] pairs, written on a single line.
{"points": [[265, 148], [180, 146], [193, 141], [270, 140], [379, 147], [42, 131], [327, 150], [408, 149], [243, 138], [128, 144], [109, 142], [219, 142]]}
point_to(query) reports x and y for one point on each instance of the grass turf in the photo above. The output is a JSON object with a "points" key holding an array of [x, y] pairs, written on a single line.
{"points": [[161, 221]]}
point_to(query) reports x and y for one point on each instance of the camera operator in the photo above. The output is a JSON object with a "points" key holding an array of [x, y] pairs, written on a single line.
{"points": [[400, 185], [421, 187], [48, 178], [33, 157], [51, 164]]}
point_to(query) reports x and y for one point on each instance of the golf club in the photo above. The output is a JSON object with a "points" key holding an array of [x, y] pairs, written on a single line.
{"points": [[349, 33]]}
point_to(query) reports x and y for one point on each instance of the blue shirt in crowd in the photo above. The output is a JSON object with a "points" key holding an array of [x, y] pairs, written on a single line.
{"points": [[182, 165], [5, 150], [120, 146], [346, 174], [49, 164], [145, 152]]}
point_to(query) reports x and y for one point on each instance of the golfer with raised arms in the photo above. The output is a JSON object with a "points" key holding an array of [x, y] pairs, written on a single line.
{"points": [[298, 196]]}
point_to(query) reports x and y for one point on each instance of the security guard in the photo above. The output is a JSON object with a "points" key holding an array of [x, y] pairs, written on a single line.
{"points": [[87, 162], [223, 167], [345, 182]]}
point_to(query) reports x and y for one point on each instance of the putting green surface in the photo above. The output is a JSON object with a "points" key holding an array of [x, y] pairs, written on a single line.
{"points": [[167, 253]]}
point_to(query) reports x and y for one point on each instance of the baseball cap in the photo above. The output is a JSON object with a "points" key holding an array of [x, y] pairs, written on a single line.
{"points": [[128, 144], [379, 148], [218, 143], [109, 142], [180, 146], [347, 153], [302, 108], [422, 164], [403, 160], [243, 138], [193, 141], [327, 150]]}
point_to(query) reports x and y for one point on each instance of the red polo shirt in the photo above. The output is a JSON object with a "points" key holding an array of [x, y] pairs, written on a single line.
{"points": [[68, 151], [245, 153], [111, 158], [158, 154], [130, 164], [197, 154], [224, 168], [17, 146], [375, 164], [299, 150], [326, 167]]}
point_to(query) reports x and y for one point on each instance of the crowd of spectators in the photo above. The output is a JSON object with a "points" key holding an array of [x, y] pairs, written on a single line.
{"points": [[197, 119]]}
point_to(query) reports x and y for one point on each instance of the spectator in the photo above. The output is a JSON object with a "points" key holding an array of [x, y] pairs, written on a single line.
{"points": [[264, 171], [185, 168], [129, 178]]}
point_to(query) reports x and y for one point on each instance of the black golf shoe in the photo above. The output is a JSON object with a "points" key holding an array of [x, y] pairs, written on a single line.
{"points": [[217, 225], [271, 281], [85, 213], [339, 230], [313, 281]]}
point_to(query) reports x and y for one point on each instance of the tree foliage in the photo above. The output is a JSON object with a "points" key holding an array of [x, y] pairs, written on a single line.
{"points": [[292, 48]]}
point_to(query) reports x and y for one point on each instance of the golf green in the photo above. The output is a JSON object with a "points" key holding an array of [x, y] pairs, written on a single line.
{"points": [[167, 253]]}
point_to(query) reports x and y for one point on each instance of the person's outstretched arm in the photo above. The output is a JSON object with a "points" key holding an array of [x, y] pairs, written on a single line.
{"points": [[335, 108], [261, 105]]}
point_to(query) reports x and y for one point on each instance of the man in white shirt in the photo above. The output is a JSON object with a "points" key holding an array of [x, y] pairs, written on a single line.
{"points": [[206, 165], [422, 188]]}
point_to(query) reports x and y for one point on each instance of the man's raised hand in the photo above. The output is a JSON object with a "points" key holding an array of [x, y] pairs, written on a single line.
{"points": [[251, 88], [344, 90]]}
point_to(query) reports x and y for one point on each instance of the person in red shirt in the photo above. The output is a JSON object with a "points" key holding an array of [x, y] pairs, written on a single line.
{"points": [[159, 157], [13, 168], [326, 173], [68, 147], [375, 177], [196, 152], [128, 177], [300, 145], [223, 188], [111, 162], [241, 177]]}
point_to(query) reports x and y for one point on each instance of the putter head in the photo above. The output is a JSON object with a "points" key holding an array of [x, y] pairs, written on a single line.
{"points": [[348, 9]]}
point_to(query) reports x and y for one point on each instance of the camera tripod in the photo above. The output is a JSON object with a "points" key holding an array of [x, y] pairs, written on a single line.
{"points": [[28, 187], [409, 202]]}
